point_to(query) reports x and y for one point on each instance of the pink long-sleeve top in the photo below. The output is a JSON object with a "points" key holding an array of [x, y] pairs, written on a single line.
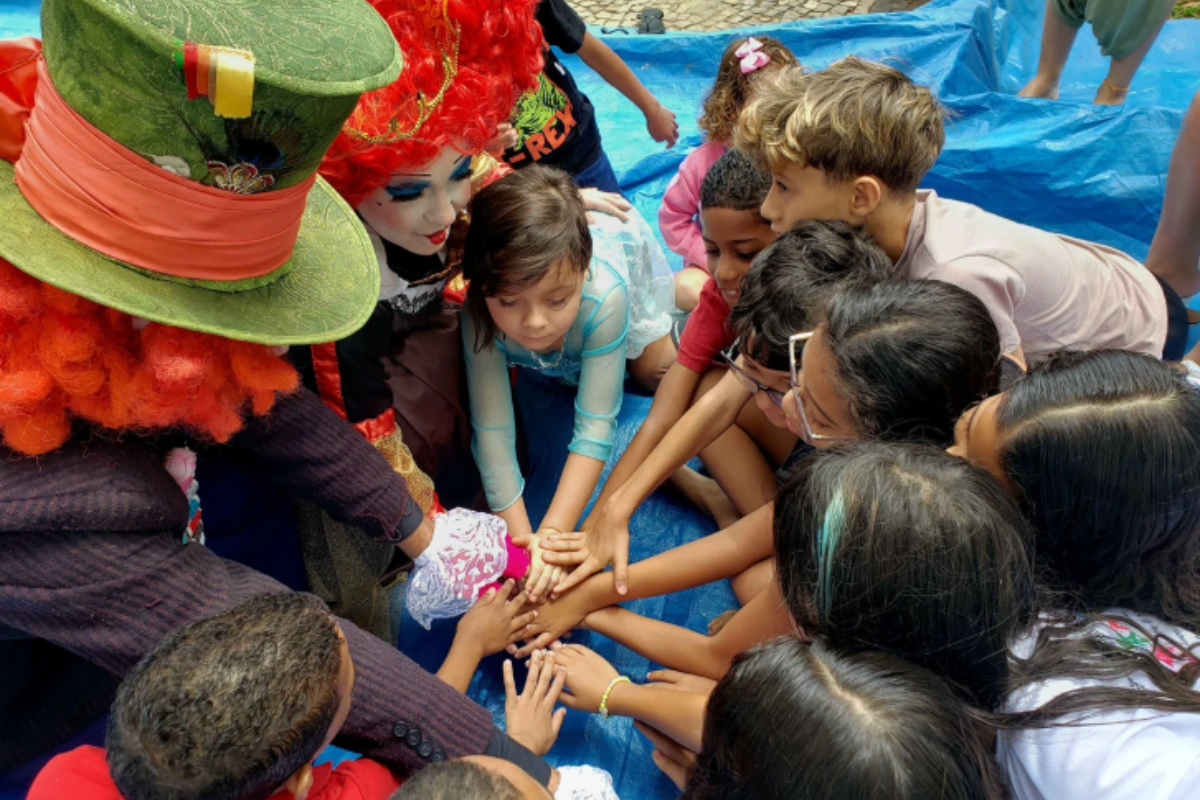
{"points": [[678, 215]]}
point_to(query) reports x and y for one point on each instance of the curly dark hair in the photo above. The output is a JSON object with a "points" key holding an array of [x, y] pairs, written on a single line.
{"points": [[734, 182], [230, 706]]}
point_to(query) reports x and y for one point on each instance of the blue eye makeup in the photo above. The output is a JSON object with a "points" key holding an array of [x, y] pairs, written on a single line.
{"points": [[462, 171], [407, 191]]}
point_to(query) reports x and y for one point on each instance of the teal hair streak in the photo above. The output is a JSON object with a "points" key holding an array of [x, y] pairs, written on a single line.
{"points": [[832, 528]]}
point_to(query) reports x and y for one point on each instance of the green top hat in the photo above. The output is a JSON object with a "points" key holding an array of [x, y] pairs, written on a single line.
{"points": [[119, 64]]}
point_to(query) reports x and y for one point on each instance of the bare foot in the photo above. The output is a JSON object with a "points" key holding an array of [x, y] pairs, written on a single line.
{"points": [[720, 621], [1106, 95], [707, 495], [1041, 87]]}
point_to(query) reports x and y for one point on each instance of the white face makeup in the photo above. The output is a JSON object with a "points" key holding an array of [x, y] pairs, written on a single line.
{"points": [[416, 208]]}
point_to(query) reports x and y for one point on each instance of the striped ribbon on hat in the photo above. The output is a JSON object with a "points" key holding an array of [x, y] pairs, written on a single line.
{"points": [[222, 74]]}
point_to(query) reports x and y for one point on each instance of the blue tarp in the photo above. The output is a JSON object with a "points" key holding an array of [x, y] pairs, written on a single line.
{"points": [[1096, 173]]}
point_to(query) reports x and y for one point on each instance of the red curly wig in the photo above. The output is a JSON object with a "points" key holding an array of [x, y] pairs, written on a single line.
{"points": [[64, 357], [499, 57]]}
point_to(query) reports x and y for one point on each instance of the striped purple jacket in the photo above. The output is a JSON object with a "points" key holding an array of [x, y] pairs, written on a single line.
{"points": [[93, 574]]}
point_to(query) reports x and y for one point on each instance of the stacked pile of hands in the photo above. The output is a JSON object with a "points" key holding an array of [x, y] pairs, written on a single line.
{"points": [[577, 677]]}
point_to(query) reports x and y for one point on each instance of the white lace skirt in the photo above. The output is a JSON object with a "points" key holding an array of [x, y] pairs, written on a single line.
{"points": [[633, 252]]}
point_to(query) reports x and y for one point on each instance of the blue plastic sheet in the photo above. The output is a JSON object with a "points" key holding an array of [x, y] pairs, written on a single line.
{"points": [[1092, 172], [1096, 173]]}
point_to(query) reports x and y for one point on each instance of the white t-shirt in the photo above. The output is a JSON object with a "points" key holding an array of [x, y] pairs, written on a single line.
{"points": [[1123, 755], [584, 783]]}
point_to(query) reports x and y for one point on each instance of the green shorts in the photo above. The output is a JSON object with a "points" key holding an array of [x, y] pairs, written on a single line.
{"points": [[1121, 26]]}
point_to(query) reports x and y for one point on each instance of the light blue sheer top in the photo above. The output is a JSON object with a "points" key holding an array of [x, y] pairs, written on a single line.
{"points": [[625, 306], [592, 358]]}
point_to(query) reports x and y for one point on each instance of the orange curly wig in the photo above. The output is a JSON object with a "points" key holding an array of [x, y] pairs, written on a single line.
{"points": [[499, 57], [63, 357]]}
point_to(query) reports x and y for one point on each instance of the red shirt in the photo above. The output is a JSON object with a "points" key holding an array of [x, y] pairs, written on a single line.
{"points": [[707, 332], [82, 774]]}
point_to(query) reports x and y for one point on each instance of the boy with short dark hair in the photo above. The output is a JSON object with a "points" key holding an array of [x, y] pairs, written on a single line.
{"points": [[853, 141], [234, 707]]}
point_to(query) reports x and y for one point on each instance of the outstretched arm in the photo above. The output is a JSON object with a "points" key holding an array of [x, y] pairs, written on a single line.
{"points": [[495, 621], [679, 648], [724, 554], [606, 537], [670, 404], [660, 121], [677, 712]]}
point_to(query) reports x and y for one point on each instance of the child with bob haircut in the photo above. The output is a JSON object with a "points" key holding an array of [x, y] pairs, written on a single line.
{"points": [[574, 303], [853, 141], [806, 720], [743, 66]]}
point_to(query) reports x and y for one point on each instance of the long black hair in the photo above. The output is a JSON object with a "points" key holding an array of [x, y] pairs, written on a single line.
{"points": [[911, 356], [809, 720], [907, 549], [1102, 451]]}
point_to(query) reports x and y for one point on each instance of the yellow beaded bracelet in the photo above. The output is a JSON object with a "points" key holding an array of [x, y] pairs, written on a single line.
{"points": [[608, 691]]}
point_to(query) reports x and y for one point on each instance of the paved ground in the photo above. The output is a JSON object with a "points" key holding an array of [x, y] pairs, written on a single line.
{"points": [[711, 15]]}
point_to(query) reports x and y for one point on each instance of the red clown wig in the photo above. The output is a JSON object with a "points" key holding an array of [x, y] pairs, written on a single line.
{"points": [[63, 357], [499, 54]]}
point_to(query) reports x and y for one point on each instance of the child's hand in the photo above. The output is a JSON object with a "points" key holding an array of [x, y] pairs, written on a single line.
{"points": [[588, 676], [495, 621], [661, 124], [605, 202], [672, 758], [506, 137], [682, 681], [605, 542], [542, 576], [529, 717], [553, 620]]}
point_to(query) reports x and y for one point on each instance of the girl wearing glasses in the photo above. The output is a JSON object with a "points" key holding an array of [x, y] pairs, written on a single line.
{"points": [[895, 361]]}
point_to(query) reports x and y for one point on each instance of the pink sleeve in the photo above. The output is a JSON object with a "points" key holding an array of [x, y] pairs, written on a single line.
{"points": [[681, 204], [996, 284]]}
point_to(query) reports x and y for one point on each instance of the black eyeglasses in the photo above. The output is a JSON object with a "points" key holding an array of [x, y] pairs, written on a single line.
{"points": [[752, 384]]}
